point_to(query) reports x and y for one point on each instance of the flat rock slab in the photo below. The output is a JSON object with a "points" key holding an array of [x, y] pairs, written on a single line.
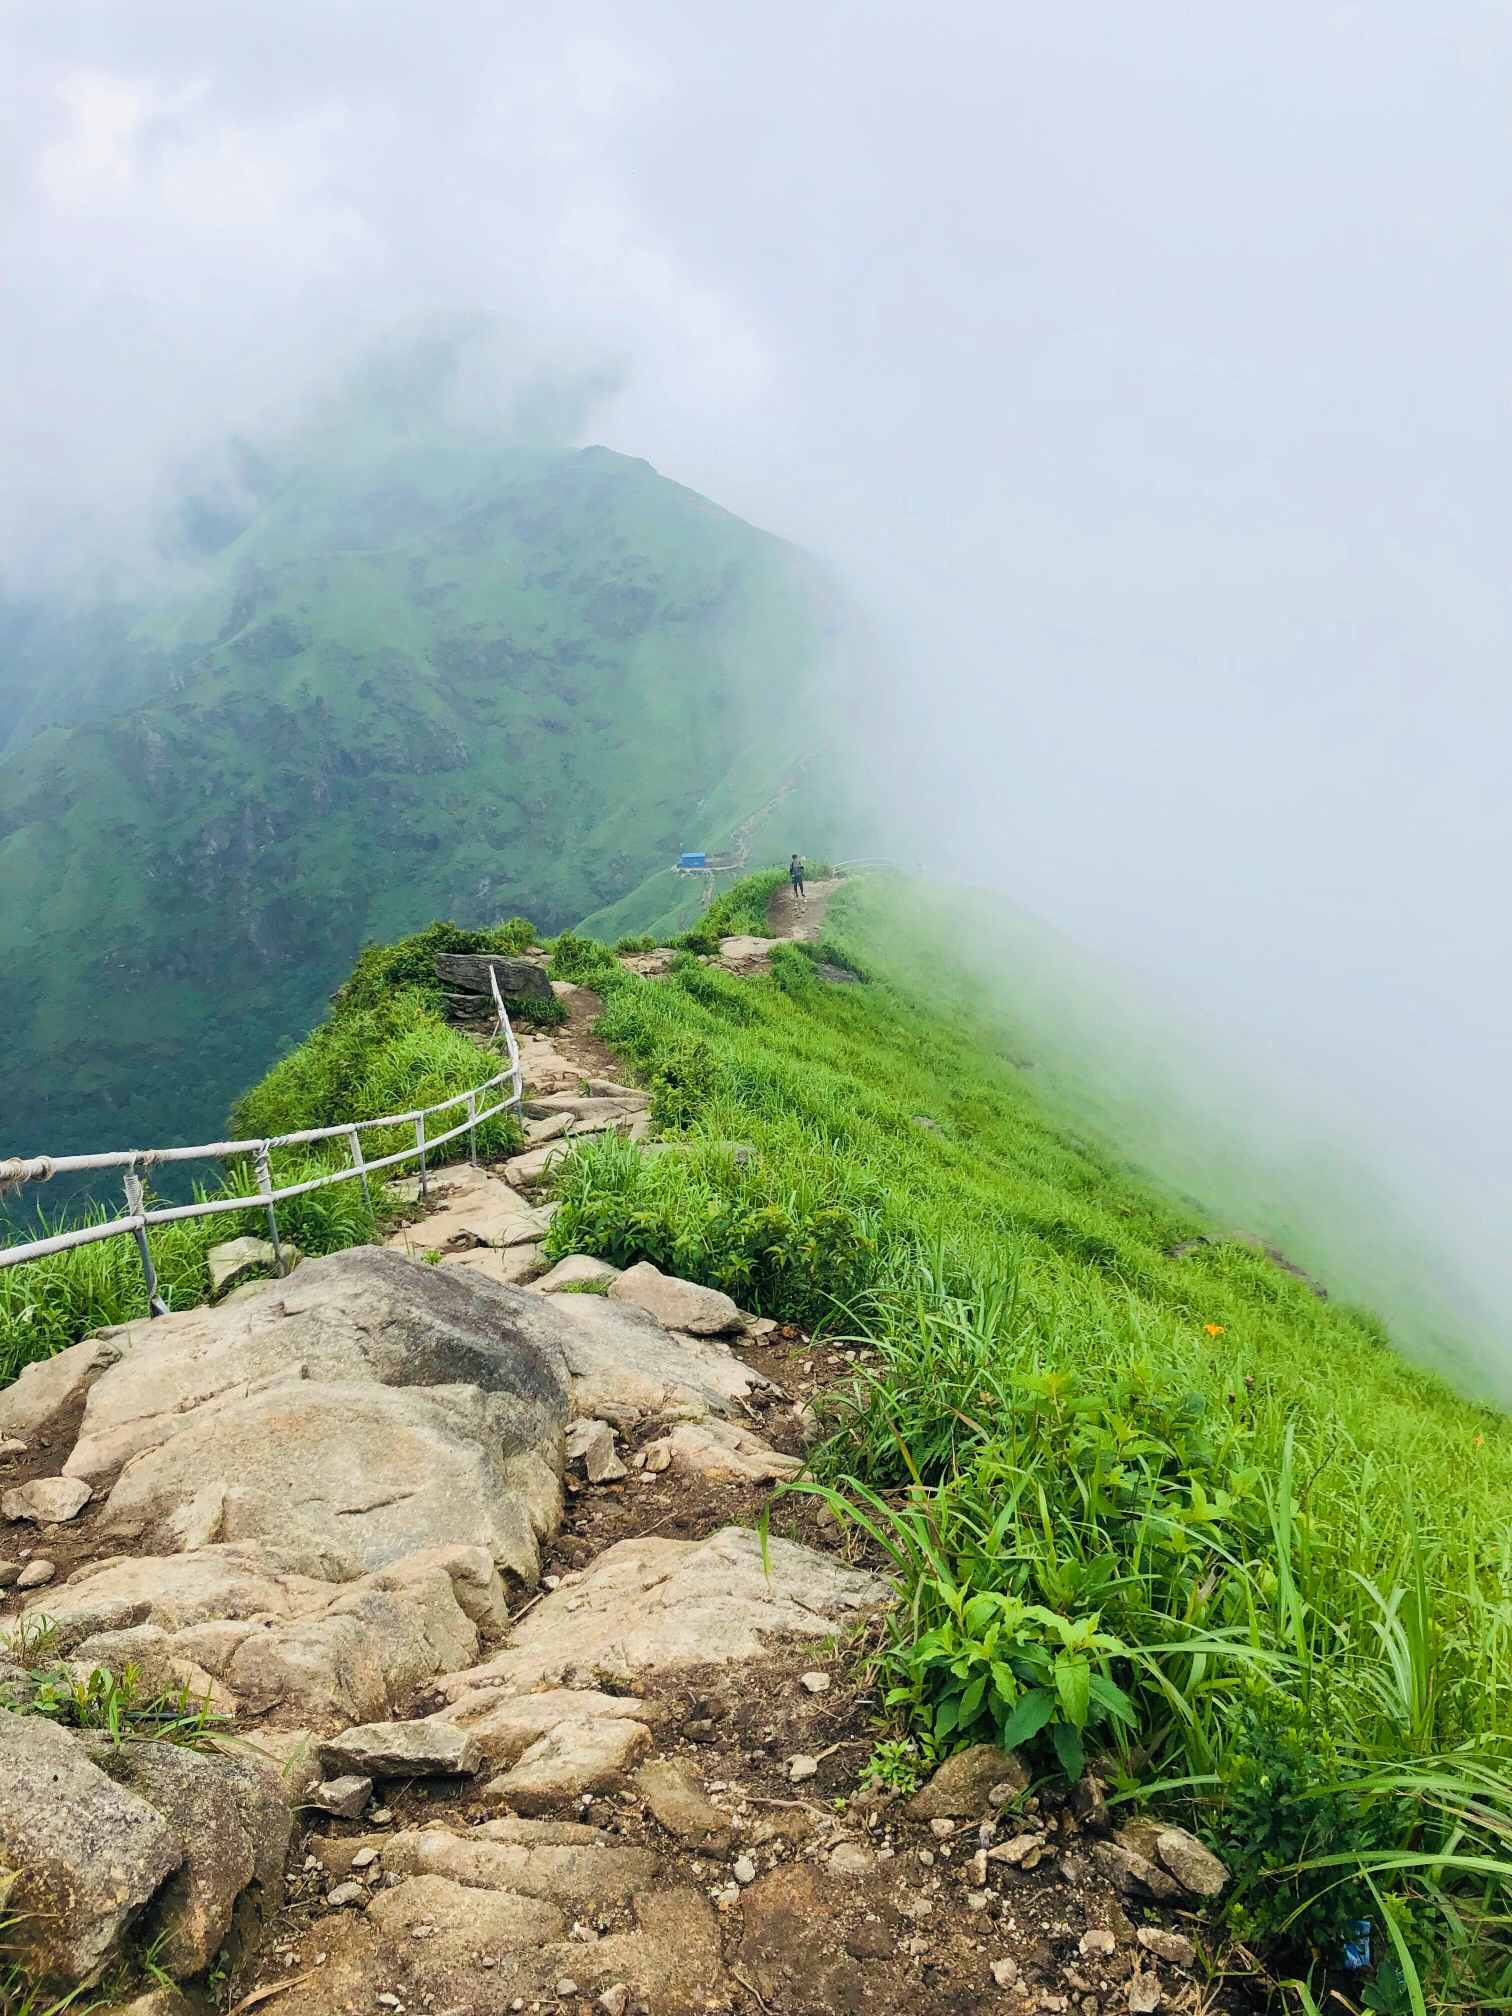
{"points": [[92, 1853], [47, 1500], [678, 1305], [484, 1211], [402, 1750], [573, 1758], [505, 1728], [512, 1266], [719, 1450], [656, 1606], [577, 1876], [527, 1170]]}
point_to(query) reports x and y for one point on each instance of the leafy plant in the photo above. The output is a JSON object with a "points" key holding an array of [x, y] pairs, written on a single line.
{"points": [[997, 1669], [893, 1766]]}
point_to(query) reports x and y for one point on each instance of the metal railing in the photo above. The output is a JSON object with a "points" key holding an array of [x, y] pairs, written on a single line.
{"points": [[134, 1162]]}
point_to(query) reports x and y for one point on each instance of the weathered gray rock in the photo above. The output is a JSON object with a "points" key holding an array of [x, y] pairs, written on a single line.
{"points": [[234, 1259], [403, 1750], [363, 1317], [573, 1758], [36, 1574], [1129, 1871], [52, 1386], [369, 1473], [719, 1449], [47, 1500], [620, 1357], [345, 1798], [576, 1876], [233, 1823], [678, 1305], [279, 1638], [519, 979], [1144, 1993], [660, 1606], [1169, 1946], [591, 1443], [1195, 1868], [574, 1269], [505, 1727], [91, 1853], [464, 1920], [959, 1789], [676, 1798]]}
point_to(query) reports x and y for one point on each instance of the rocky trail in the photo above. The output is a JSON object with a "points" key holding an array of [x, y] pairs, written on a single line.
{"points": [[516, 1710]]}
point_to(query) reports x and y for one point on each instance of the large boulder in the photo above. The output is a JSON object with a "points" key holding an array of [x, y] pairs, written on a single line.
{"points": [[469, 973], [362, 1317], [619, 1359], [91, 1853], [367, 1473], [234, 1825]]}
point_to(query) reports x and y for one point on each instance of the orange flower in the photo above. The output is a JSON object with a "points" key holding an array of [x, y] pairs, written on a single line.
{"points": [[1213, 1329], [1480, 1441]]}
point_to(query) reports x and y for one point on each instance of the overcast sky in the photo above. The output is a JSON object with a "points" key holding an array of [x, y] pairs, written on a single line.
{"points": [[1146, 366]]}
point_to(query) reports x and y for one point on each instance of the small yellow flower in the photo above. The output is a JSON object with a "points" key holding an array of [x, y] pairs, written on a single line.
{"points": [[1213, 1329], [1480, 1441]]}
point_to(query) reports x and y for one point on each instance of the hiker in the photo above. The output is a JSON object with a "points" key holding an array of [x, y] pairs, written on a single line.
{"points": [[795, 876]]}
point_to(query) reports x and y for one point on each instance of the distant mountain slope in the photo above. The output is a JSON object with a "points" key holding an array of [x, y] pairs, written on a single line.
{"points": [[433, 677]]}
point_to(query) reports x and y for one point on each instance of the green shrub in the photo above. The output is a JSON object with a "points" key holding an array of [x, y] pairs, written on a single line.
{"points": [[1291, 1806], [802, 1248], [628, 947], [580, 959]]}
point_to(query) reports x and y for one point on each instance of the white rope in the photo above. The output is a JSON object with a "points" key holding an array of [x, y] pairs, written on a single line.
{"points": [[40, 1168]]}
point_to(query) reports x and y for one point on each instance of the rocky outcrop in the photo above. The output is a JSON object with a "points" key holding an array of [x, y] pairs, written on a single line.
{"points": [[91, 1853], [655, 1606], [470, 973]]}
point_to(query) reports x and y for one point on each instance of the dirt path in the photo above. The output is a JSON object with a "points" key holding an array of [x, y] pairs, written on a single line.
{"points": [[788, 917]]}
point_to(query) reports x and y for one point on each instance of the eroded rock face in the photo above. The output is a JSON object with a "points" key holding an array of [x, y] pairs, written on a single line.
{"points": [[50, 1387], [254, 1622], [91, 1852], [660, 1606], [233, 1824]]}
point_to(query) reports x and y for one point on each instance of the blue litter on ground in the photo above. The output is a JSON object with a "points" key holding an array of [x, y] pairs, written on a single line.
{"points": [[1357, 1946]]}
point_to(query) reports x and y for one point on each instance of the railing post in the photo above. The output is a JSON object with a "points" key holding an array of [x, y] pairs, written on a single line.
{"points": [[420, 1144], [136, 1204], [265, 1184], [472, 1128], [360, 1166]]}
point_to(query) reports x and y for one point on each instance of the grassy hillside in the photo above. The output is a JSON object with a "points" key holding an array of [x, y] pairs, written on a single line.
{"points": [[432, 676], [1173, 1515]]}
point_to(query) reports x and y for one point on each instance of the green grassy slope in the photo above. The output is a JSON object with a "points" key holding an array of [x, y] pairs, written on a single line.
{"points": [[433, 676], [1175, 1515]]}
